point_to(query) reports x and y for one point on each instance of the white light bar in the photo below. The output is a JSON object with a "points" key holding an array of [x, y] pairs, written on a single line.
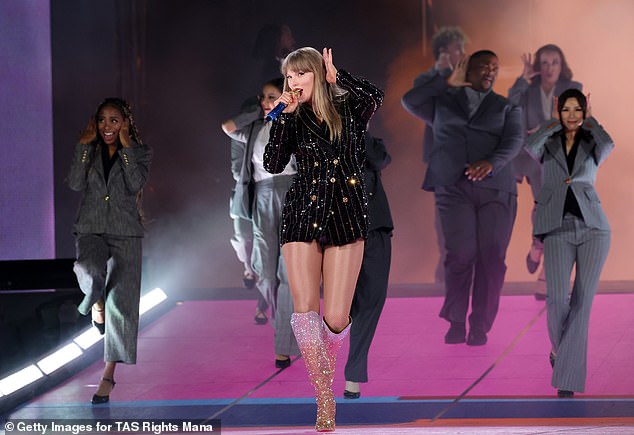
{"points": [[20, 379], [151, 299], [89, 337], [69, 352], [59, 358]]}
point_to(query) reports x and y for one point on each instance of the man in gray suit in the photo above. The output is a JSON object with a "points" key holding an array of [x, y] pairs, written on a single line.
{"points": [[476, 134]]}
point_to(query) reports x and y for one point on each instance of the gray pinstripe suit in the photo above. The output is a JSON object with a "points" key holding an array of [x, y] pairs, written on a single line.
{"points": [[108, 241], [568, 241], [528, 97]]}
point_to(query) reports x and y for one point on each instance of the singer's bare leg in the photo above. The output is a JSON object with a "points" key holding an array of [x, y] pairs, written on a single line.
{"points": [[303, 267], [341, 269], [340, 265]]}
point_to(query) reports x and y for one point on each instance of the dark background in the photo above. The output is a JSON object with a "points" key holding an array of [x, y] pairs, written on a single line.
{"points": [[186, 67]]}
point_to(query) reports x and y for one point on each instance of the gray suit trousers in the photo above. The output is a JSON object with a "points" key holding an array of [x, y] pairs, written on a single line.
{"points": [[267, 259], [586, 248], [109, 267], [242, 243], [477, 224]]}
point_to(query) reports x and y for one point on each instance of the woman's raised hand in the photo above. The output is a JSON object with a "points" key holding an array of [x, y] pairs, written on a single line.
{"points": [[124, 134], [588, 106], [90, 132], [331, 71], [528, 73]]}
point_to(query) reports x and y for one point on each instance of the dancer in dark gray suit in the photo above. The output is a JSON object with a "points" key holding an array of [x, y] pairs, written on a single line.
{"points": [[371, 289], [575, 230], [543, 78], [110, 167], [476, 134]]}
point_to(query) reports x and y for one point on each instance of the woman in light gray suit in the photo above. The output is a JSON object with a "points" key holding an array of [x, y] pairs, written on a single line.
{"points": [[110, 167], [575, 230], [259, 197]]}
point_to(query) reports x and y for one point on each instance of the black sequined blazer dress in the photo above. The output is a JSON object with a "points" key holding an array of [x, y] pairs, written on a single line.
{"points": [[327, 201]]}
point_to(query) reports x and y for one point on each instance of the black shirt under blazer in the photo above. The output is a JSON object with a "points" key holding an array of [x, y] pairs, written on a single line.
{"points": [[327, 201]]}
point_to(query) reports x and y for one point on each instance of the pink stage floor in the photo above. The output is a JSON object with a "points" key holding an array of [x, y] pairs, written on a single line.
{"points": [[206, 359]]}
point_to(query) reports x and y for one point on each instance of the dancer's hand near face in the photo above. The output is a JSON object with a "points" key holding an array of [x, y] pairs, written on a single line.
{"points": [[458, 77], [124, 134], [528, 73], [90, 132]]}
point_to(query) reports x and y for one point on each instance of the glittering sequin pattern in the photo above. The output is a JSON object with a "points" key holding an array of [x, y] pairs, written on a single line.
{"points": [[319, 347], [327, 201]]}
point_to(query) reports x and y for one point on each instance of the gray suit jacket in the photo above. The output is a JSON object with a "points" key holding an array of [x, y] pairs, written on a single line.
{"points": [[545, 146], [109, 208], [493, 133]]}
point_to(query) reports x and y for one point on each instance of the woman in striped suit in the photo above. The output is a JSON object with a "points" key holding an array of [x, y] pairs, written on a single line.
{"points": [[575, 230], [110, 167], [325, 214]]}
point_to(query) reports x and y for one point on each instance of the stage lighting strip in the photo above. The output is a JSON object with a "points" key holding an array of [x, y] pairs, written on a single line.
{"points": [[69, 352], [508, 349]]}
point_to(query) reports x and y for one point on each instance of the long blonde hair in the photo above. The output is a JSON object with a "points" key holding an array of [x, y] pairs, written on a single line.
{"points": [[325, 94]]}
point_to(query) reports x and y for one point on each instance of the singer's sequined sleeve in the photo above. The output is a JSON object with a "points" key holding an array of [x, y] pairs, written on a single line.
{"points": [[365, 97], [282, 143]]}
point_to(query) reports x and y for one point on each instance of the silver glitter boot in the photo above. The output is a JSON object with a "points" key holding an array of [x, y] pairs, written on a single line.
{"points": [[332, 343], [308, 331]]}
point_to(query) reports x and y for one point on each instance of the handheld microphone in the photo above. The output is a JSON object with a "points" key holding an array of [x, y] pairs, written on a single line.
{"points": [[275, 112], [280, 107]]}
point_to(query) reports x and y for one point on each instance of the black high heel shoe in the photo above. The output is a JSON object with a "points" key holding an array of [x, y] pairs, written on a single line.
{"points": [[565, 393], [282, 363], [97, 399], [351, 395], [101, 327], [260, 318]]}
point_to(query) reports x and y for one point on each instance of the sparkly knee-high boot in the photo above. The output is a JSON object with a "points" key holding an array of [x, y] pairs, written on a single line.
{"points": [[332, 343], [308, 331]]}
